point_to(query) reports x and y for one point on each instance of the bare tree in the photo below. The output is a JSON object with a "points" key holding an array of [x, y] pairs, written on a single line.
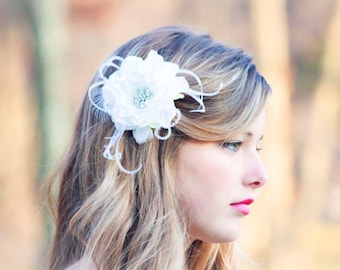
{"points": [[321, 137], [272, 51], [20, 219], [322, 132]]}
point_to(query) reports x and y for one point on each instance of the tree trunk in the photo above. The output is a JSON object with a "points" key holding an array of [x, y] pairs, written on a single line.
{"points": [[48, 26], [322, 132], [272, 56], [315, 235], [20, 219]]}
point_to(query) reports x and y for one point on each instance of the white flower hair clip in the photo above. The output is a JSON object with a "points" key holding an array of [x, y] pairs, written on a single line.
{"points": [[139, 96]]}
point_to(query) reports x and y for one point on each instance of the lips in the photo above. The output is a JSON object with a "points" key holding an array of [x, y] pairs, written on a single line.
{"points": [[243, 206]]}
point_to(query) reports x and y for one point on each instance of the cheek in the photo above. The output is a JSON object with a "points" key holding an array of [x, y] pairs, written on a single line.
{"points": [[205, 203], [202, 185]]}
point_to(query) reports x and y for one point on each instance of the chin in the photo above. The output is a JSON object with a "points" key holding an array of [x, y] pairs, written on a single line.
{"points": [[221, 238], [220, 234], [228, 239]]}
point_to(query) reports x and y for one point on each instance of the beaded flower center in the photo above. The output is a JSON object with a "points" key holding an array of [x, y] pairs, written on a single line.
{"points": [[141, 96]]}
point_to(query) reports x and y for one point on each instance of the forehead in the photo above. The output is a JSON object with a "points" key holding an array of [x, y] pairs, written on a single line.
{"points": [[254, 129], [257, 126]]}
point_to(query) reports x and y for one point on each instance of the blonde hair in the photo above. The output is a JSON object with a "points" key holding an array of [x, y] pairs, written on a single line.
{"points": [[122, 221]]}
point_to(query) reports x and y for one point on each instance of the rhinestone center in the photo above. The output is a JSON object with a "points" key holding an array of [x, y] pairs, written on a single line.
{"points": [[142, 94]]}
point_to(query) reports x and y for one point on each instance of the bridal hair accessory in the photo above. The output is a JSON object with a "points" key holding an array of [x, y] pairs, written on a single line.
{"points": [[139, 96]]}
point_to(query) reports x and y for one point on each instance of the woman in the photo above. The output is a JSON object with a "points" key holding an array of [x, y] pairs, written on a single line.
{"points": [[163, 163]]}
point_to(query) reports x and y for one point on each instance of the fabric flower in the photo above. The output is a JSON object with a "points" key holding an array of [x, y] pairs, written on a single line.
{"points": [[139, 96]]}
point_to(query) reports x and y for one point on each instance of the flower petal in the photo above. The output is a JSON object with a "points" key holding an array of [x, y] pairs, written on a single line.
{"points": [[142, 135]]}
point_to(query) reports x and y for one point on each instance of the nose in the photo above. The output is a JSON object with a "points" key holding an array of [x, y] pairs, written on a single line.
{"points": [[256, 174]]}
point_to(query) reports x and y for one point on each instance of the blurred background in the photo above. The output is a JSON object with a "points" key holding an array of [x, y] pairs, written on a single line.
{"points": [[49, 51]]}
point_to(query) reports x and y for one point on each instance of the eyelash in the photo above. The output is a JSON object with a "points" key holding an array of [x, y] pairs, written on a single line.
{"points": [[235, 144]]}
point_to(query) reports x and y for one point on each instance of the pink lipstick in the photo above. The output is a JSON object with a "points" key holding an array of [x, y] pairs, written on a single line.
{"points": [[243, 206]]}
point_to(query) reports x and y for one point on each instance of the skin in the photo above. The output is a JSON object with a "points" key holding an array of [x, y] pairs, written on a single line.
{"points": [[213, 175]]}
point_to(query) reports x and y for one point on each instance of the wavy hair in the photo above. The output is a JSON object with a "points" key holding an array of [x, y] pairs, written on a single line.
{"points": [[113, 220]]}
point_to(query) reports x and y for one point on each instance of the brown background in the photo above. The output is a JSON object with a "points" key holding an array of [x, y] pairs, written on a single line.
{"points": [[49, 51]]}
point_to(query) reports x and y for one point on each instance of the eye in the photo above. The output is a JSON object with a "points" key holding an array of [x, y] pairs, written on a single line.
{"points": [[233, 146], [259, 145]]}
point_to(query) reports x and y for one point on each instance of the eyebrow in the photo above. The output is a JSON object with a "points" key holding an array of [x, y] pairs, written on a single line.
{"points": [[250, 134]]}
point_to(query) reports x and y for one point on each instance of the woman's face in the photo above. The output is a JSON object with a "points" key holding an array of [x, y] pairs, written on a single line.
{"points": [[217, 182]]}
